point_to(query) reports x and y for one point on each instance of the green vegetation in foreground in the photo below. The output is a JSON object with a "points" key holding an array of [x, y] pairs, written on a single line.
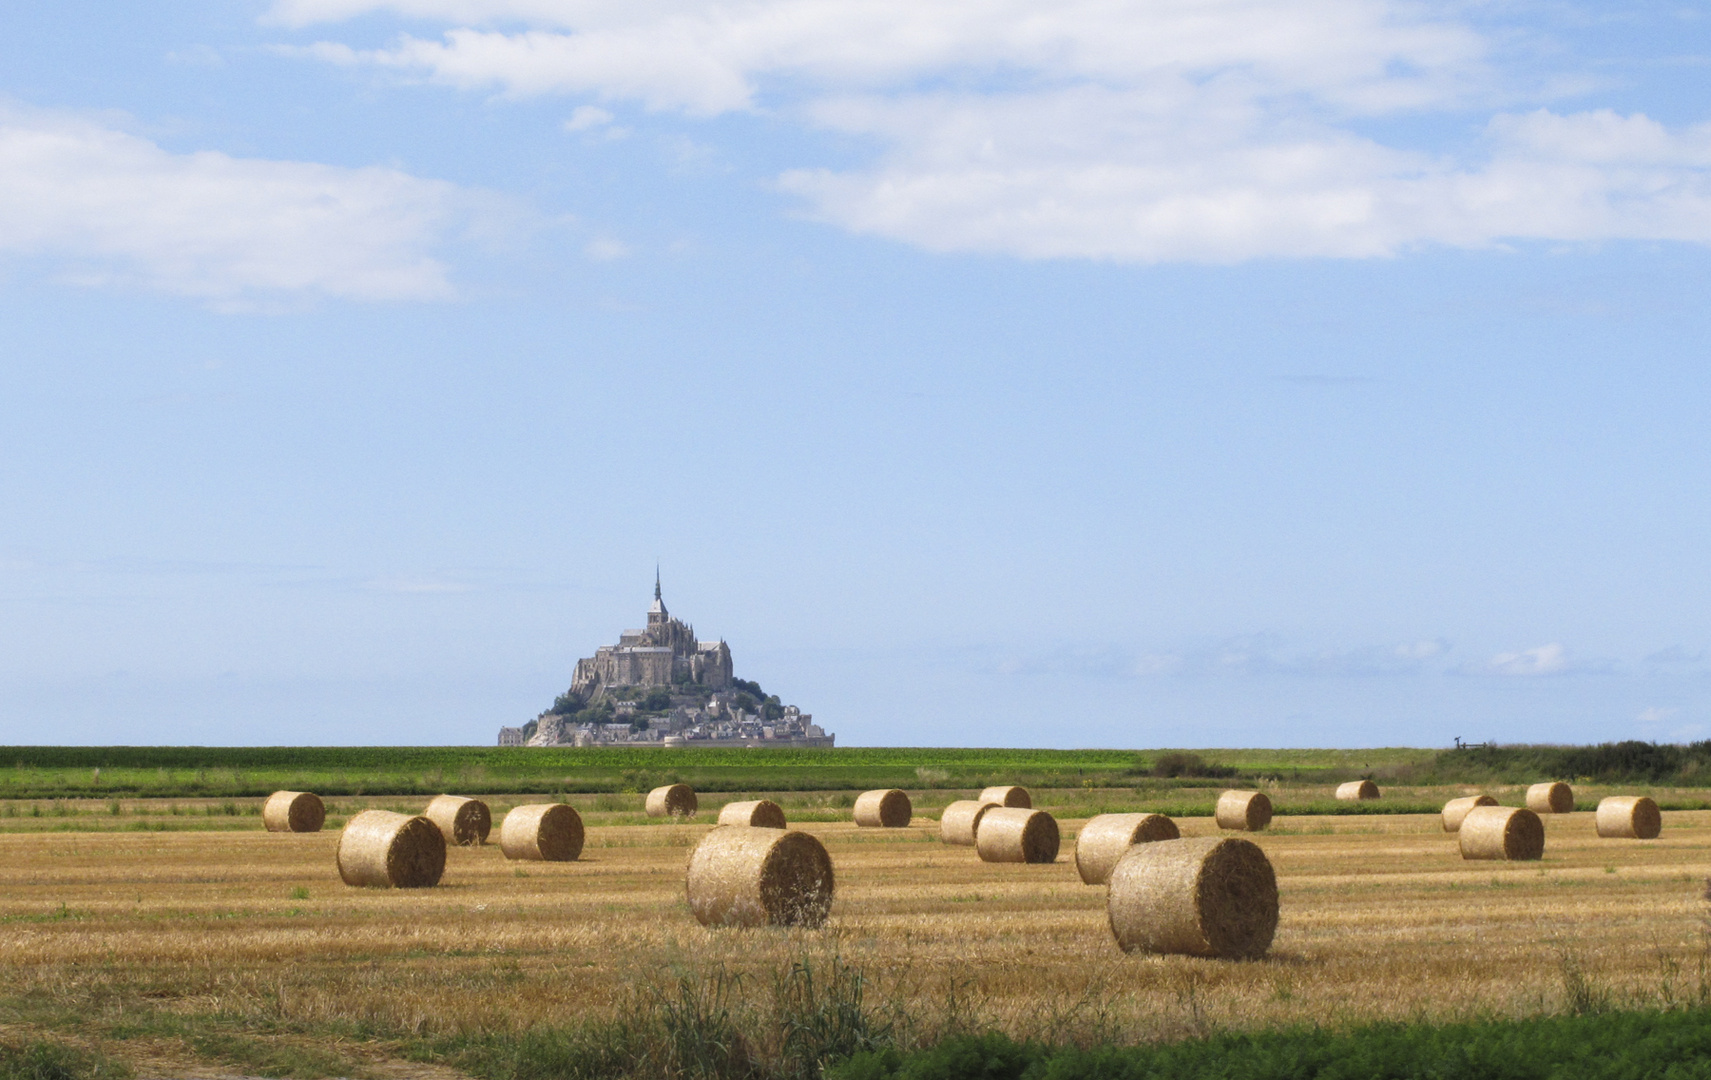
{"points": [[35, 772], [816, 1020], [1612, 1046]]}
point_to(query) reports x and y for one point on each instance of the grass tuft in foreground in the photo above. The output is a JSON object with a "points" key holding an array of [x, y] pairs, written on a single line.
{"points": [[40, 1059]]}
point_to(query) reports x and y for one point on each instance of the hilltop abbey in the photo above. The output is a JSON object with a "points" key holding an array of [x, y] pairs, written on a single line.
{"points": [[664, 654], [661, 686]]}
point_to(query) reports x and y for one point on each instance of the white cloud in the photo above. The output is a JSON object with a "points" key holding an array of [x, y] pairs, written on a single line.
{"points": [[1135, 130], [1549, 659], [586, 117], [605, 249], [101, 206], [1422, 650]]}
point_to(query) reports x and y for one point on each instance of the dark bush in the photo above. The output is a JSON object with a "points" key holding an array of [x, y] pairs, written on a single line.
{"points": [[1175, 764]]}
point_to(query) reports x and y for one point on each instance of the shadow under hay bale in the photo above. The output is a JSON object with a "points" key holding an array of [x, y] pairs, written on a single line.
{"points": [[1551, 798], [883, 809], [388, 850], [672, 800], [745, 876], [1007, 795], [1205, 896], [761, 813], [1456, 809], [1016, 835], [1244, 811], [550, 832], [1501, 832], [1108, 837], [293, 811], [464, 822], [1628, 817], [959, 821], [1357, 791]]}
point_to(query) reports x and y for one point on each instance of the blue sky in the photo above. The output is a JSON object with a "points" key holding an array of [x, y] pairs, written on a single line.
{"points": [[1235, 372]]}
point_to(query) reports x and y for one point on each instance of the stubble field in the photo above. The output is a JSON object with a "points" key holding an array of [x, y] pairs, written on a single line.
{"points": [[222, 951]]}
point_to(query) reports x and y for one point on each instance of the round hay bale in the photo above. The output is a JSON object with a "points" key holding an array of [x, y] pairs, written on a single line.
{"points": [[1502, 832], [1204, 896], [883, 809], [1246, 811], [960, 821], [1456, 809], [391, 850], [550, 832], [672, 800], [761, 813], [1016, 834], [1008, 795], [465, 822], [1357, 790], [747, 876], [1629, 817], [293, 811], [1108, 837], [1552, 798]]}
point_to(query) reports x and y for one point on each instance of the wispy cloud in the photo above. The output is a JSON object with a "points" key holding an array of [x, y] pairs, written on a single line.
{"points": [[100, 206], [1549, 659], [1182, 130], [1245, 656]]}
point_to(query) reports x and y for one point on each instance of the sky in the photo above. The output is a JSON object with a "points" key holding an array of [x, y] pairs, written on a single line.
{"points": [[1095, 373]]}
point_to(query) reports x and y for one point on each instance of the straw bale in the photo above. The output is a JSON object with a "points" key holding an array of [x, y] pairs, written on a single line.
{"points": [[672, 800], [1456, 809], [465, 822], [293, 811], [1008, 795], [1629, 817], [1357, 790], [883, 809], [1108, 837], [747, 876], [1552, 798], [1502, 832], [391, 850], [1203, 896], [1247, 811], [551, 832], [762, 813], [960, 821], [1016, 834]]}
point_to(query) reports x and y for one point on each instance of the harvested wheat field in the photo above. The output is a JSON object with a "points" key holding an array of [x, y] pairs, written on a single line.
{"points": [[1380, 917]]}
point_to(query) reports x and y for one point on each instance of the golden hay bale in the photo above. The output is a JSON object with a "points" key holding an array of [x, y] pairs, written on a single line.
{"points": [[1204, 896], [1629, 817], [293, 811], [1357, 790], [761, 813], [1016, 834], [1108, 837], [1502, 832], [883, 809], [960, 821], [465, 822], [1456, 809], [1552, 798], [1008, 795], [551, 832], [391, 850], [673, 800], [1248, 811], [746, 876]]}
